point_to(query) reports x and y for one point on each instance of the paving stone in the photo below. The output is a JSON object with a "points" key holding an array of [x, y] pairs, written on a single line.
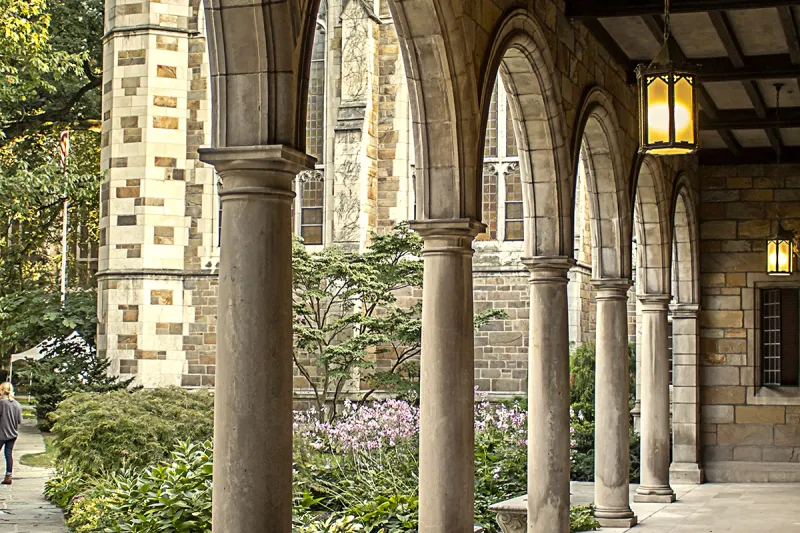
{"points": [[23, 508]]}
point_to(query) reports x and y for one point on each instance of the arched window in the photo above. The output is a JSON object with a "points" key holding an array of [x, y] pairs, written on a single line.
{"points": [[315, 114], [501, 179], [310, 185], [514, 217], [312, 194]]}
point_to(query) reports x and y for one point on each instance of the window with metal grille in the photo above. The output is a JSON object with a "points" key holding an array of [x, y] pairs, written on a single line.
{"points": [[513, 204], [312, 194], [315, 114], [780, 339]]}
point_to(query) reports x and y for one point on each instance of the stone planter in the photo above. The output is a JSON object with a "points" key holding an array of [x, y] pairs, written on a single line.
{"points": [[512, 515]]}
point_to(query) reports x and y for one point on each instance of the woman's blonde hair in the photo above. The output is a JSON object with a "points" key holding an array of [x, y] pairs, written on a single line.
{"points": [[7, 390]]}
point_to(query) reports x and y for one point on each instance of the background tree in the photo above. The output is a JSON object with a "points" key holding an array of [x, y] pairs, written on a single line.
{"points": [[347, 317], [50, 63]]}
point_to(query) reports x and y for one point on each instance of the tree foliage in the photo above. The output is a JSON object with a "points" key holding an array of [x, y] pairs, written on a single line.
{"points": [[50, 64], [347, 317]]}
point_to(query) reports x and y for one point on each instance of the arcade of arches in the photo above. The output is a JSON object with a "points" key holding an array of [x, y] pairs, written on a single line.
{"points": [[523, 140]]}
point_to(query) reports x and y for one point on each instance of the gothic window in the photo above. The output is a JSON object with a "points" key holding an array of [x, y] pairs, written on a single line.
{"points": [[490, 144], [513, 204], [315, 116], [489, 203], [780, 337], [312, 194], [501, 178]]}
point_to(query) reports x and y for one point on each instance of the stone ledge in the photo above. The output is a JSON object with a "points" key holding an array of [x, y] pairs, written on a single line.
{"points": [[751, 472]]}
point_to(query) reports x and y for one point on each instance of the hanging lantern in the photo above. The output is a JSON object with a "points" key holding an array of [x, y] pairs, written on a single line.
{"points": [[780, 252], [667, 102]]}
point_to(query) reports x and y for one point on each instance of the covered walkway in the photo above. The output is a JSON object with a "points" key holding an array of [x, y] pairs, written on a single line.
{"points": [[708, 508], [723, 507]]}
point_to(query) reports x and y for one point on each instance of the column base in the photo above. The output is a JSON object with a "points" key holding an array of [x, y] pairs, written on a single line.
{"points": [[617, 522], [686, 474], [654, 495], [616, 517]]}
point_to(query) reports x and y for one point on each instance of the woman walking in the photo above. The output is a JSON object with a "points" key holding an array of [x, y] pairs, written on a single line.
{"points": [[10, 419]]}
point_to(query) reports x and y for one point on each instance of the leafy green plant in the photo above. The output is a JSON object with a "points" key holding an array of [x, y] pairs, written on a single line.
{"points": [[171, 497], [581, 518], [108, 431]]}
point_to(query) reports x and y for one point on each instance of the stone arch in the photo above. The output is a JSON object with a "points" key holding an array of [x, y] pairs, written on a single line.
{"points": [[260, 59], [521, 56], [653, 241], [685, 259], [444, 106], [596, 137]]}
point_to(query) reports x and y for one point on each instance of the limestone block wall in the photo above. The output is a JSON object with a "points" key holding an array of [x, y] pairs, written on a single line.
{"points": [[748, 433], [158, 203]]}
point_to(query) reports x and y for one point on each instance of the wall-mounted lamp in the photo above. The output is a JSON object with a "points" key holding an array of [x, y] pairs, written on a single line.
{"points": [[781, 249]]}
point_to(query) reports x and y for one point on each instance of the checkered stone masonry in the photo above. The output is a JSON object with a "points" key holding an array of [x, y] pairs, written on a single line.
{"points": [[158, 204]]}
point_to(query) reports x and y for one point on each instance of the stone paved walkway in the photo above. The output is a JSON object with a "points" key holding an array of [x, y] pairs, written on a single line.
{"points": [[714, 508], [23, 509]]}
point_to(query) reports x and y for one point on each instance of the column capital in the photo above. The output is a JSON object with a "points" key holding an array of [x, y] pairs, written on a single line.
{"points": [[654, 302], [274, 157], [447, 235], [548, 268], [612, 289], [684, 310]]}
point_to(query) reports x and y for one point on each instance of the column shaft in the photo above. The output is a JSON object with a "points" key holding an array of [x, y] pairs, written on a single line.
{"points": [[447, 449], [253, 405], [655, 452], [548, 397], [612, 408]]}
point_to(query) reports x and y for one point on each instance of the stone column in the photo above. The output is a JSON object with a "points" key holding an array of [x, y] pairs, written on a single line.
{"points": [[253, 411], [686, 463], [654, 485], [446, 441], [612, 408], [548, 396]]}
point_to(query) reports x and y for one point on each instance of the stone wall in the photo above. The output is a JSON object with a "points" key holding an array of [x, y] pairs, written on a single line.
{"points": [[748, 433]]}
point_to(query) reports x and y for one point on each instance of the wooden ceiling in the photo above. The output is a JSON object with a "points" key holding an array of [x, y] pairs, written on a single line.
{"points": [[742, 48]]}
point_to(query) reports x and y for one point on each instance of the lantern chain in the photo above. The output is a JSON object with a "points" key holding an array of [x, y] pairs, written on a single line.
{"points": [[666, 21]]}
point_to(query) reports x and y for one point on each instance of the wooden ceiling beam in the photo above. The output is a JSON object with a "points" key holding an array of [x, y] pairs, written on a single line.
{"points": [[748, 156], [656, 27], [748, 119], [583, 9], [722, 25], [790, 32], [771, 67]]}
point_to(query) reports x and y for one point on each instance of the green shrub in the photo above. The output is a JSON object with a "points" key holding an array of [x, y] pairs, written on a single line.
{"points": [[106, 432], [582, 379], [70, 365], [173, 496], [582, 519]]}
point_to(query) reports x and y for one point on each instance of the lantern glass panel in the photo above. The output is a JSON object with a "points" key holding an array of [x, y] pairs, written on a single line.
{"points": [[658, 111], [785, 257], [772, 256], [684, 117]]}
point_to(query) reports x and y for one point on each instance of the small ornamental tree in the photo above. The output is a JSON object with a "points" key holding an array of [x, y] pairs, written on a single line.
{"points": [[345, 309]]}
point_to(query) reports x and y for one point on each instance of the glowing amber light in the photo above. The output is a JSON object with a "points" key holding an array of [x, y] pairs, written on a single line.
{"points": [[667, 105], [780, 256]]}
